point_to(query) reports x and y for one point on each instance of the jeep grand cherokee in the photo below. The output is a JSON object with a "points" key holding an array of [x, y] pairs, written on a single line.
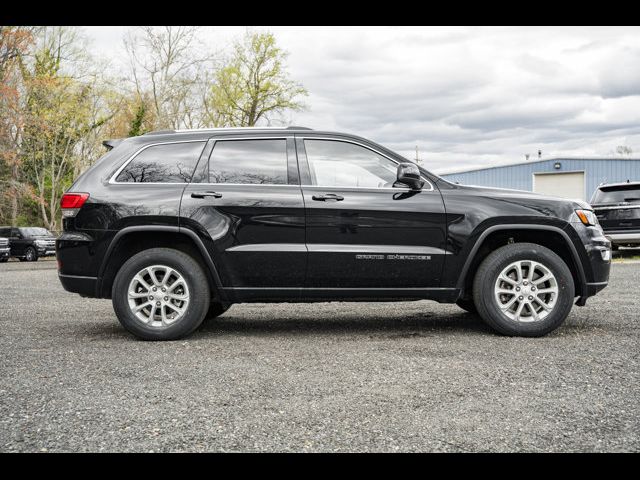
{"points": [[176, 226]]}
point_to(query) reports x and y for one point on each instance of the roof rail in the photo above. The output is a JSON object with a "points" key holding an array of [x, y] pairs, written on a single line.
{"points": [[213, 129], [159, 132]]}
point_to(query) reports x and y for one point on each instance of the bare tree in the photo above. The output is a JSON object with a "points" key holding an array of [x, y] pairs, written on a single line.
{"points": [[163, 64], [624, 150]]}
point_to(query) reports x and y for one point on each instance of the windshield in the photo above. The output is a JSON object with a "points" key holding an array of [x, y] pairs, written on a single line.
{"points": [[619, 194], [35, 232]]}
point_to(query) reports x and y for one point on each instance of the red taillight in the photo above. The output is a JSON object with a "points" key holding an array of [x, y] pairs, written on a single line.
{"points": [[73, 200]]}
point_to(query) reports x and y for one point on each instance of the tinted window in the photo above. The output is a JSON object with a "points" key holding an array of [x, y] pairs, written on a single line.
{"points": [[623, 193], [341, 164], [249, 161], [171, 162], [5, 232]]}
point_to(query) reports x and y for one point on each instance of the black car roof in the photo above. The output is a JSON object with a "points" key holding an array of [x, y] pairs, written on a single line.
{"points": [[159, 136]]}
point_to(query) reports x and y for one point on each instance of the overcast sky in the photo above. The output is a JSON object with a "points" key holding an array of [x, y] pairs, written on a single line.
{"points": [[467, 97]]}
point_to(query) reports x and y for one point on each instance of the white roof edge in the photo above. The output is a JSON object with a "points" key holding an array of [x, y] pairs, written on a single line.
{"points": [[477, 169]]}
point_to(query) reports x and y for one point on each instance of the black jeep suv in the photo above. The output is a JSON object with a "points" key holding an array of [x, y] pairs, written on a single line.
{"points": [[176, 226], [29, 243], [617, 206]]}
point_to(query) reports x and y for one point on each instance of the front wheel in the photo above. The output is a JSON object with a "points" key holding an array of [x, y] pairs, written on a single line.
{"points": [[523, 289], [160, 294], [30, 255]]}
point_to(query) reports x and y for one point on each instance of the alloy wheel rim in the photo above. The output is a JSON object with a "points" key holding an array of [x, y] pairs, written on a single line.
{"points": [[158, 296], [526, 291]]}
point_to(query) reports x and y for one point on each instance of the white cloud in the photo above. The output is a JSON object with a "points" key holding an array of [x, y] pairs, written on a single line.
{"points": [[467, 97]]}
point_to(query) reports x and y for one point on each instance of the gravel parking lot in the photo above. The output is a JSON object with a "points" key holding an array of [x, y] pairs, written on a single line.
{"points": [[415, 376]]}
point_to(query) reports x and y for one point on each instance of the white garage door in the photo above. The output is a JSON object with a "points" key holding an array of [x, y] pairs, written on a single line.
{"points": [[566, 185]]}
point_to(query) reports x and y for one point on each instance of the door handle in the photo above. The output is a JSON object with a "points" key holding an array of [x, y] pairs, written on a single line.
{"points": [[328, 196], [206, 194]]}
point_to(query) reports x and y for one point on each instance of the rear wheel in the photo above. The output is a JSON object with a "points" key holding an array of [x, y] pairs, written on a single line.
{"points": [[523, 289], [161, 294]]}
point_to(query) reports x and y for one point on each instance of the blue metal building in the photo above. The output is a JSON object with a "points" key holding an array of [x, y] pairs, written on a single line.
{"points": [[563, 177]]}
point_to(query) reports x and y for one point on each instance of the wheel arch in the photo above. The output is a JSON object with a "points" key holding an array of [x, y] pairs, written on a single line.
{"points": [[131, 240], [546, 235]]}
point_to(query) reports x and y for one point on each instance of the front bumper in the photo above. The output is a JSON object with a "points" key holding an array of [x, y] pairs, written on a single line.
{"points": [[5, 252], [598, 260], [623, 238]]}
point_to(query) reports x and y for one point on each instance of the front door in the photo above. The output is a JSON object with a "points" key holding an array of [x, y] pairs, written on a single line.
{"points": [[245, 199], [362, 232], [18, 242]]}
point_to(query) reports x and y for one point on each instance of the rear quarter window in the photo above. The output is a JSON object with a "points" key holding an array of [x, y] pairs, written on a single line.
{"points": [[164, 163]]}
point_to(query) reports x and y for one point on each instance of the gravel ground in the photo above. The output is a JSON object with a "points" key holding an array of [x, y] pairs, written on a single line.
{"points": [[415, 376]]}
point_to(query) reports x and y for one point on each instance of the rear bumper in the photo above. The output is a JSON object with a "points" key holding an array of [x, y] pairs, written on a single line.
{"points": [[85, 286], [623, 237]]}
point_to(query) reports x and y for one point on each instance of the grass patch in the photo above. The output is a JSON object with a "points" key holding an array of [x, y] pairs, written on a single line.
{"points": [[625, 259]]}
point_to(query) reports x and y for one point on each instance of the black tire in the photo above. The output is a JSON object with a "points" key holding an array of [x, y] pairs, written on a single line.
{"points": [[30, 255], [487, 275], [468, 305], [194, 277], [215, 310], [4, 260]]}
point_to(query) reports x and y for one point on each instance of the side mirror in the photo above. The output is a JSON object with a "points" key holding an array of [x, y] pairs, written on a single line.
{"points": [[409, 176]]}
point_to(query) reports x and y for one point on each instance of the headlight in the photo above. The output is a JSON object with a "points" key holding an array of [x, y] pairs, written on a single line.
{"points": [[587, 217]]}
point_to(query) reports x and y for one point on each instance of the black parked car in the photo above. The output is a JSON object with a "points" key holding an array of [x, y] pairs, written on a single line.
{"points": [[617, 206], [175, 226], [29, 243]]}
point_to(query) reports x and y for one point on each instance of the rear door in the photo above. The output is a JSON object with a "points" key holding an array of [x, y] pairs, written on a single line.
{"points": [[362, 232], [245, 200]]}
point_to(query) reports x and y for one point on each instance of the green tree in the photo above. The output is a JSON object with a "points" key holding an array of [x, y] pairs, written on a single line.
{"points": [[253, 85], [59, 115], [138, 118], [15, 43]]}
